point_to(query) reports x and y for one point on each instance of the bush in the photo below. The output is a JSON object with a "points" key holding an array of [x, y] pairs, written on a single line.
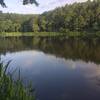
{"points": [[63, 30]]}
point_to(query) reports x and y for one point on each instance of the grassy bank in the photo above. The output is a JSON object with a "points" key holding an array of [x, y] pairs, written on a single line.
{"points": [[10, 90], [41, 34], [51, 34]]}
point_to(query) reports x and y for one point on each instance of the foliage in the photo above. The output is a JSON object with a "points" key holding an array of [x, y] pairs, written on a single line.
{"points": [[82, 17], [10, 90]]}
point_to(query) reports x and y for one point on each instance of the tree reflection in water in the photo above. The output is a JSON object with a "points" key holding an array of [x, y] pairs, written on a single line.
{"points": [[85, 49]]}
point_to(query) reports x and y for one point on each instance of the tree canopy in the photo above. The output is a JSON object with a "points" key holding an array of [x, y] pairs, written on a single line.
{"points": [[77, 17], [24, 2]]}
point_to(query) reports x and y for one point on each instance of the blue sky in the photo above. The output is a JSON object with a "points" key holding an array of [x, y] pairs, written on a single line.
{"points": [[15, 6]]}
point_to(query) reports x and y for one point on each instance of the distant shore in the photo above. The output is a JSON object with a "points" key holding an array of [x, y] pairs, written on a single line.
{"points": [[49, 34]]}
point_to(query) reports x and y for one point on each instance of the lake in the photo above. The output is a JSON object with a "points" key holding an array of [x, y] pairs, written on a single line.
{"points": [[58, 69]]}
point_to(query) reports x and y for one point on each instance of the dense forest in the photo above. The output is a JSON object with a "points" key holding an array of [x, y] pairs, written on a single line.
{"points": [[72, 17]]}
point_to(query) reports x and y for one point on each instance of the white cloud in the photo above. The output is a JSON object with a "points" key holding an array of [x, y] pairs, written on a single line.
{"points": [[15, 6]]}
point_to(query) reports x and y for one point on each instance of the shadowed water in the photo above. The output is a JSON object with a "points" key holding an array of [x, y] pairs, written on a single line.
{"points": [[59, 69]]}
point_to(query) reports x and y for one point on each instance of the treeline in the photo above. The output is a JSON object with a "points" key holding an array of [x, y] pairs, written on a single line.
{"points": [[14, 22], [74, 17]]}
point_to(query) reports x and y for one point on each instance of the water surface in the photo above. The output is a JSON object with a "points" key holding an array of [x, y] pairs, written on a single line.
{"points": [[64, 69]]}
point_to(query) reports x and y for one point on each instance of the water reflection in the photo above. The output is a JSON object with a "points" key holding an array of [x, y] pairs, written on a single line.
{"points": [[59, 70], [85, 49]]}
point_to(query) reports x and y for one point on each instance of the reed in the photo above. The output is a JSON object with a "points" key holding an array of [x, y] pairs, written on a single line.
{"points": [[12, 90]]}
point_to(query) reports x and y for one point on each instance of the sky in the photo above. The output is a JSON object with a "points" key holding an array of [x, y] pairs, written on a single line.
{"points": [[15, 6]]}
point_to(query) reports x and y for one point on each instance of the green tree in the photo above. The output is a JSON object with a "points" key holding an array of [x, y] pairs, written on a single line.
{"points": [[42, 23]]}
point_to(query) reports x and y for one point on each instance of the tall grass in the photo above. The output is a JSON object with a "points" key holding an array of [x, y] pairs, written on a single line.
{"points": [[10, 90]]}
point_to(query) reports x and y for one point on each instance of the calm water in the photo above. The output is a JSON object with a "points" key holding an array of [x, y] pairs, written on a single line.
{"points": [[64, 69]]}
